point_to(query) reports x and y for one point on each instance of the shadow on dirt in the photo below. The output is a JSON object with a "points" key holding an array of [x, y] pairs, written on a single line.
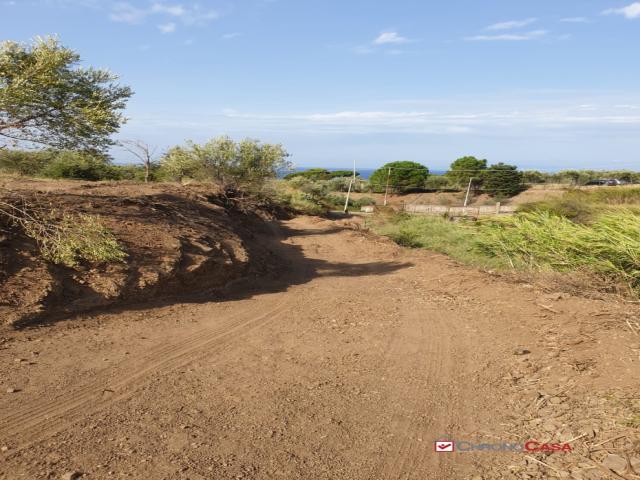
{"points": [[285, 266]]}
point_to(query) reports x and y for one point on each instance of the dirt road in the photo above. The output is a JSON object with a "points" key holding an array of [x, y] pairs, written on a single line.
{"points": [[348, 365]]}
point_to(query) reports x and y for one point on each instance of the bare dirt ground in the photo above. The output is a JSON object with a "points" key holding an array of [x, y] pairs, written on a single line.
{"points": [[346, 362]]}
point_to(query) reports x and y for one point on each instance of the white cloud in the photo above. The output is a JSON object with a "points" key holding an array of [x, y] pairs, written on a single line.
{"points": [[187, 15], [229, 36], [630, 11], [509, 37], [575, 20], [167, 27], [390, 37], [464, 120], [127, 13], [173, 10], [511, 24]]}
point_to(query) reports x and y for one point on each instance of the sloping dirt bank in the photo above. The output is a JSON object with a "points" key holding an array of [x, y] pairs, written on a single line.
{"points": [[347, 364], [176, 238]]}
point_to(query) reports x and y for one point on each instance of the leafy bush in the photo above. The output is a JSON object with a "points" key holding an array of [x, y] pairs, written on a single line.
{"points": [[321, 174], [291, 194], [80, 166], [246, 164], [439, 182], [75, 238], [402, 177], [67, 164], [338, 201], [22, 162], [580, 177], [65, 238], [363, 202]]}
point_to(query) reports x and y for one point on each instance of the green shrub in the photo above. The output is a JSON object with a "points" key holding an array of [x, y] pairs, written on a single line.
{"points": [[80, 166], [439, 182], [23, 162], [76, 238], [363, 202], [247, 164], [64, 238], [321, 174]]}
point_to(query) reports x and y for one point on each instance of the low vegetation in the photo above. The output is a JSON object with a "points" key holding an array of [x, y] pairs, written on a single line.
{"points": [[247, 164], [583, 206], [597, 232], [320, 174], [438, 234], [64, 238], [608, 247]]}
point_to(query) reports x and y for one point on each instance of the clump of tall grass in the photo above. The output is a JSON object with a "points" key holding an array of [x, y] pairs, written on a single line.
{"points": [[583, 206], [608, 246]]}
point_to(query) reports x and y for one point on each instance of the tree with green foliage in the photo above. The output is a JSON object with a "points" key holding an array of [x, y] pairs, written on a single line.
{"points": [[502, 180], [245, 164], [321, 174], [46, 99], [402, 177], [464, 169]]}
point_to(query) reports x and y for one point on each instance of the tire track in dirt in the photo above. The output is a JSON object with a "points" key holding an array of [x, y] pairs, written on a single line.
{"points": [[41, 419], [411, 437]]}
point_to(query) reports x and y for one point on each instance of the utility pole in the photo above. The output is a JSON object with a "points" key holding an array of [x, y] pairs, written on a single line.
{"points": [[386, 190], [351, 182], [466, 198]]}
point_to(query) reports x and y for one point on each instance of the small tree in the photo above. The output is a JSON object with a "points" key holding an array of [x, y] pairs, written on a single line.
{"points": [[46, 99], [502, 180], [400, 176], [246, 164], [143, 152]]}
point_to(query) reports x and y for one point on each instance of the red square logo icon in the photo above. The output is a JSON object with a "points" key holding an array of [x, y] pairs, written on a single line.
{"points": [[444, 446]]}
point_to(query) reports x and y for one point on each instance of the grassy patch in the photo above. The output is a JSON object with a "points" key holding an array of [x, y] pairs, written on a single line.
{"points": [[457, 239], [583, 206], [608, 247]]}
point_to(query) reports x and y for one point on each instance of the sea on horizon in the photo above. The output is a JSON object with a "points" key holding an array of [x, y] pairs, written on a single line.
{"points": [[365, 173]]}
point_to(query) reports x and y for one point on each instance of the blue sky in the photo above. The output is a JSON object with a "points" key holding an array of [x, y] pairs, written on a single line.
{"points": [[540, 84]]}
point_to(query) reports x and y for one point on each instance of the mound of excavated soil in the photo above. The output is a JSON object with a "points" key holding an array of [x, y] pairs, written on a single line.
{"points": [[176, 237]]}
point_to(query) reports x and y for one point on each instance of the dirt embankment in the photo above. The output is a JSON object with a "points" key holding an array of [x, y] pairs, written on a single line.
{"points": [[176, 238]]}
